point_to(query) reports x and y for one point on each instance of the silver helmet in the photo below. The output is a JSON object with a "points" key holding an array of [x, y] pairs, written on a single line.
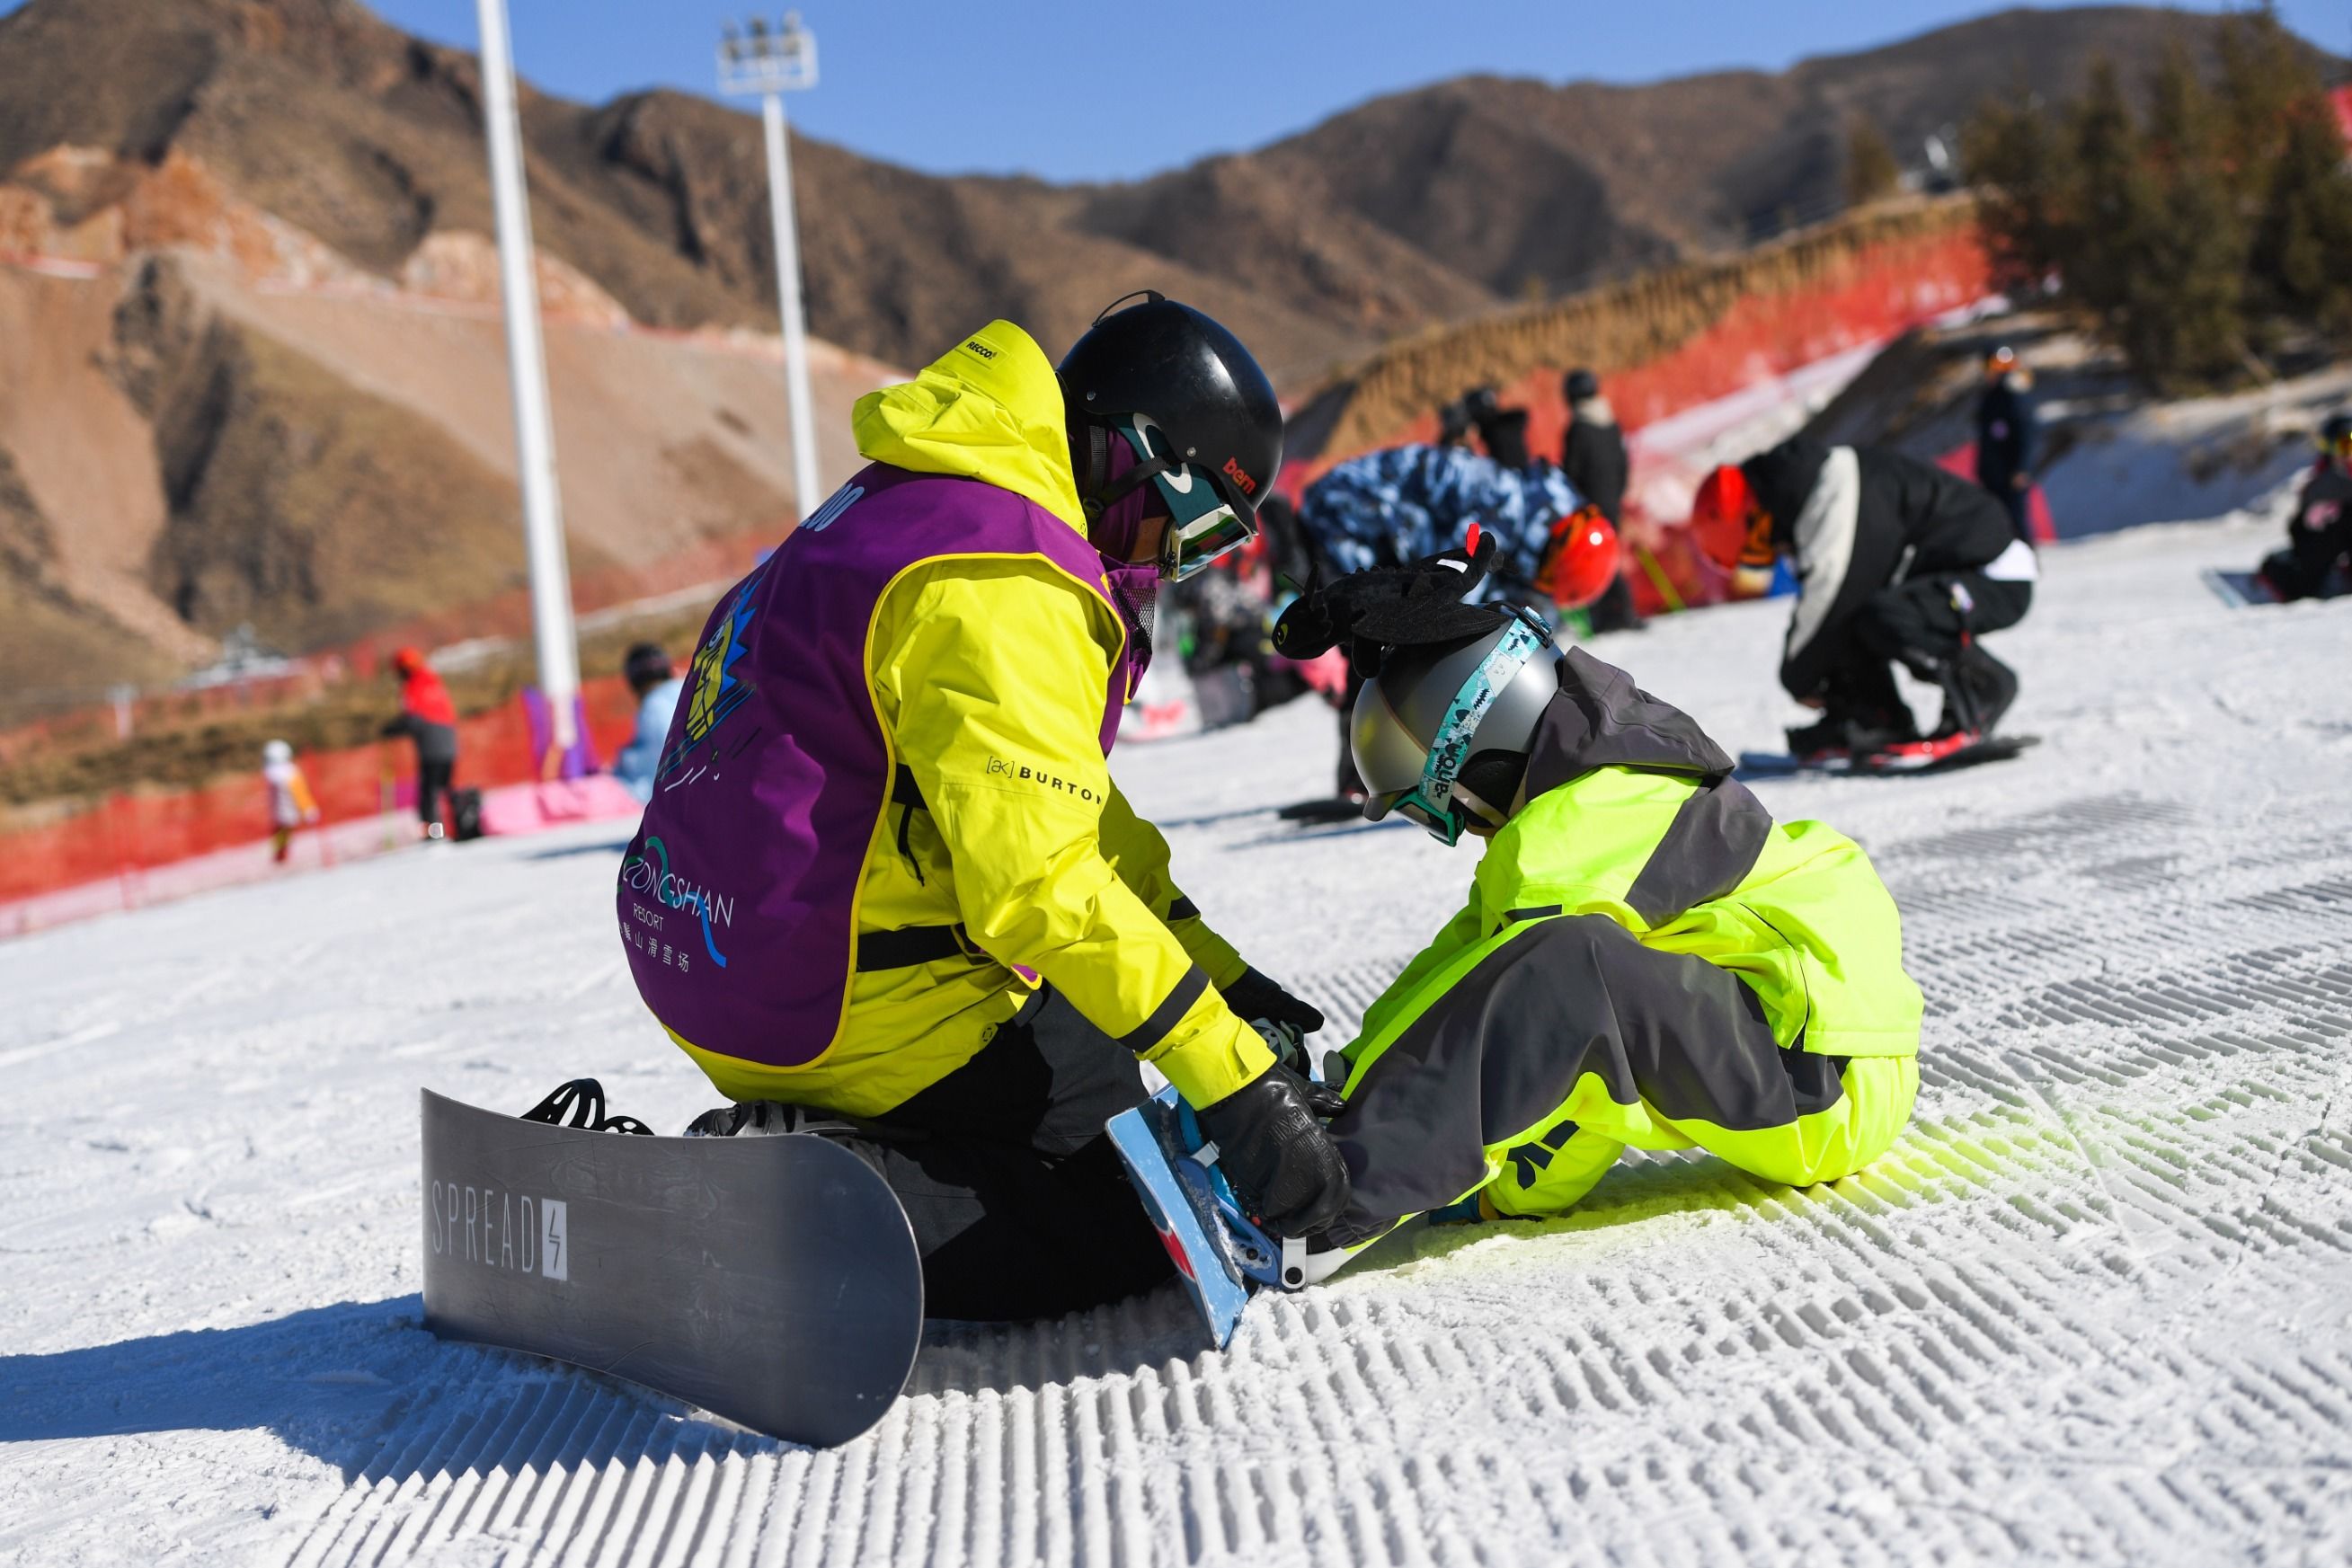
{"points": [[1419, 724]]}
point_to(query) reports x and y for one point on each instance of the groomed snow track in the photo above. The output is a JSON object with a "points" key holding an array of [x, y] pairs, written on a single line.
{"points": [[2095, 1306]]}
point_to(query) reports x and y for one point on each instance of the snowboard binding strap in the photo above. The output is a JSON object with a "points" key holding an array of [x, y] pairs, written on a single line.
{"points": [[580, 1103]]}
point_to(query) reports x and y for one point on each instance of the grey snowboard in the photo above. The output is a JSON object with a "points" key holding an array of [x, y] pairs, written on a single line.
{"points": [[773, 1281], [2237, 589]]}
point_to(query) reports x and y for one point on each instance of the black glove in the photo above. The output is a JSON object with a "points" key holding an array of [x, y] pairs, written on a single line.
{"points": [[1284, 1167], [1254, 996], [1396, 606]]}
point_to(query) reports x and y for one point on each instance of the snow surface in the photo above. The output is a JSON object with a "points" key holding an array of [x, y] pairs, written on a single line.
{"points": [[2095, 1306]]}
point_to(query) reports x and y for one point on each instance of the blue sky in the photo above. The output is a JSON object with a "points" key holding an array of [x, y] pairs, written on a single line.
{"points": [[1083, 89]]}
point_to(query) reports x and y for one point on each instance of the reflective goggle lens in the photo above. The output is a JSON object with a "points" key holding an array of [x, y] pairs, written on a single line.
{"points": [[1201, 526], [1193, 545], [1442, 825]]}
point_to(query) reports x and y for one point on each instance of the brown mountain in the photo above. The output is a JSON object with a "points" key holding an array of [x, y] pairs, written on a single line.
{"points": [[181, 450], [1407, 211]]}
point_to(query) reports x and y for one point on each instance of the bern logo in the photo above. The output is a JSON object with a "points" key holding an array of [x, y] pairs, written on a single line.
{"points": [[1233, 472], [983, 349]]}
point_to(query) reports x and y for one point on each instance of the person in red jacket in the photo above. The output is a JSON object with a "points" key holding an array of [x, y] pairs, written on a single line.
{"points": [[429, 719]]}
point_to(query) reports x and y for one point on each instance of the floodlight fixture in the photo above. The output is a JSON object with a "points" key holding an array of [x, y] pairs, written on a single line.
{"points": [[756, 61]]}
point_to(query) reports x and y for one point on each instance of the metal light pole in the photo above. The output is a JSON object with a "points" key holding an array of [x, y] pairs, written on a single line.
{"points": [[772, 64], [542, 507]]}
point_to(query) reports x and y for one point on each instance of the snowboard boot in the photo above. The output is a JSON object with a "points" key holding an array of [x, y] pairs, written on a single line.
{"points": [[1821, 744], [580, 1103], [768, 1119], [1843, 738], [1985, 686], [774, 1118]]}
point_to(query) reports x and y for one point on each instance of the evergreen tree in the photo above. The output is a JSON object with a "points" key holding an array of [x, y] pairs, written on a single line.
{"points": [[2107, 205], [2263, 74], [1872, 171], [2218, 229], [2013, 154], [2182, 320], [2302, 258]]}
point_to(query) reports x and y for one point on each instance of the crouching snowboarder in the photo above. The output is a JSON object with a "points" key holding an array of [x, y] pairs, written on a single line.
{"points": [[1645, 959], [2317, 560], [1897, 561], [885, 889]]}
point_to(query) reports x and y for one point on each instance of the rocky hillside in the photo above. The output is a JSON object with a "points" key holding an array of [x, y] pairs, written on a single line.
{"points": [[1413, 209], [273, 392]]}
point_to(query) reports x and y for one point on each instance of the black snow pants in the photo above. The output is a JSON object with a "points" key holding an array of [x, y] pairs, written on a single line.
{"points": [[1921, 624], [1019, 1204], [432, 788]]}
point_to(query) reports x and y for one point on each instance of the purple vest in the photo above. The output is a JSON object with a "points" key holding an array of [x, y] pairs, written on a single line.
{"points": [[736, 896]]}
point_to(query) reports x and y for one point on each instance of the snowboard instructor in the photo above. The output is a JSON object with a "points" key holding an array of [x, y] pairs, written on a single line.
{"points": [[885, 889]]}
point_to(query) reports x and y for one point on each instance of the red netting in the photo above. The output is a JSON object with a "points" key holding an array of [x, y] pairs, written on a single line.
{"points": [[140, 831]]}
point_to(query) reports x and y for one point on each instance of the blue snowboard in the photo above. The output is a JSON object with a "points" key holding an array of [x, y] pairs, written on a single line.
{"points": [[1218, 1255]]}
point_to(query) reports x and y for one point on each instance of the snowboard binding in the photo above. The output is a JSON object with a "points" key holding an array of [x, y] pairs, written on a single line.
{"points": [[580, 1103], [1221, 1254]]}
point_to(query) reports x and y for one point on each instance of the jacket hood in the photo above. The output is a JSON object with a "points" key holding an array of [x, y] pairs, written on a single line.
{"points": [[1783, 476], [1601, 719], [988, 409]]}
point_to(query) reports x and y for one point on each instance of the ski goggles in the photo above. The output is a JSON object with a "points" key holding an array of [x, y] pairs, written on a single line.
{"points": [[2339, 447], [1201, 524], [1432, 802]]}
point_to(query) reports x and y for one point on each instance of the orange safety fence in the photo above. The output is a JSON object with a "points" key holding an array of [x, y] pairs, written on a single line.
{"points": [[1869, 297], [140, 830], [1888, 289], [505, 614]]}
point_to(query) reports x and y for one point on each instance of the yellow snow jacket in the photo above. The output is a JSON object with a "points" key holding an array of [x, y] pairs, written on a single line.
{"points": [[972, 662]]}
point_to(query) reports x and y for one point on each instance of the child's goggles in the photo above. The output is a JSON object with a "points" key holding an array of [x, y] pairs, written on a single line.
{"points": [[1202, 525]]}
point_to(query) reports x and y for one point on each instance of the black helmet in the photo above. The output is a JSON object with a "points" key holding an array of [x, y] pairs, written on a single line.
{"points": [[1196, 408], [1580, 383], [2335, 430]]}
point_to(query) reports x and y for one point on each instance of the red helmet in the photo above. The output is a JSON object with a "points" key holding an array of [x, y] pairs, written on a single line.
{"points": [[1581, 561], [407, 660], [1732, 530]]}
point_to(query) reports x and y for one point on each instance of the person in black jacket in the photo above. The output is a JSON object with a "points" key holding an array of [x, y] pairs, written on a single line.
{"points": [[2007, 432], [1592, 456], [1502, 430], [1897, 561], [2317, 560]]}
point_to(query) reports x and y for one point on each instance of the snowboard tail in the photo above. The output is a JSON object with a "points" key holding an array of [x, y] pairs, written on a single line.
{"points": [[771, 1281]]}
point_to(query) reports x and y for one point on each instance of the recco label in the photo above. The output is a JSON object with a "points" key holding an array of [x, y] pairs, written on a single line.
{"points": [[500, 1229]]}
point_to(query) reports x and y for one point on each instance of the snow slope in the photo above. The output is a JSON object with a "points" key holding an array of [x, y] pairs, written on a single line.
{"points": [[2096, 1306]]}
